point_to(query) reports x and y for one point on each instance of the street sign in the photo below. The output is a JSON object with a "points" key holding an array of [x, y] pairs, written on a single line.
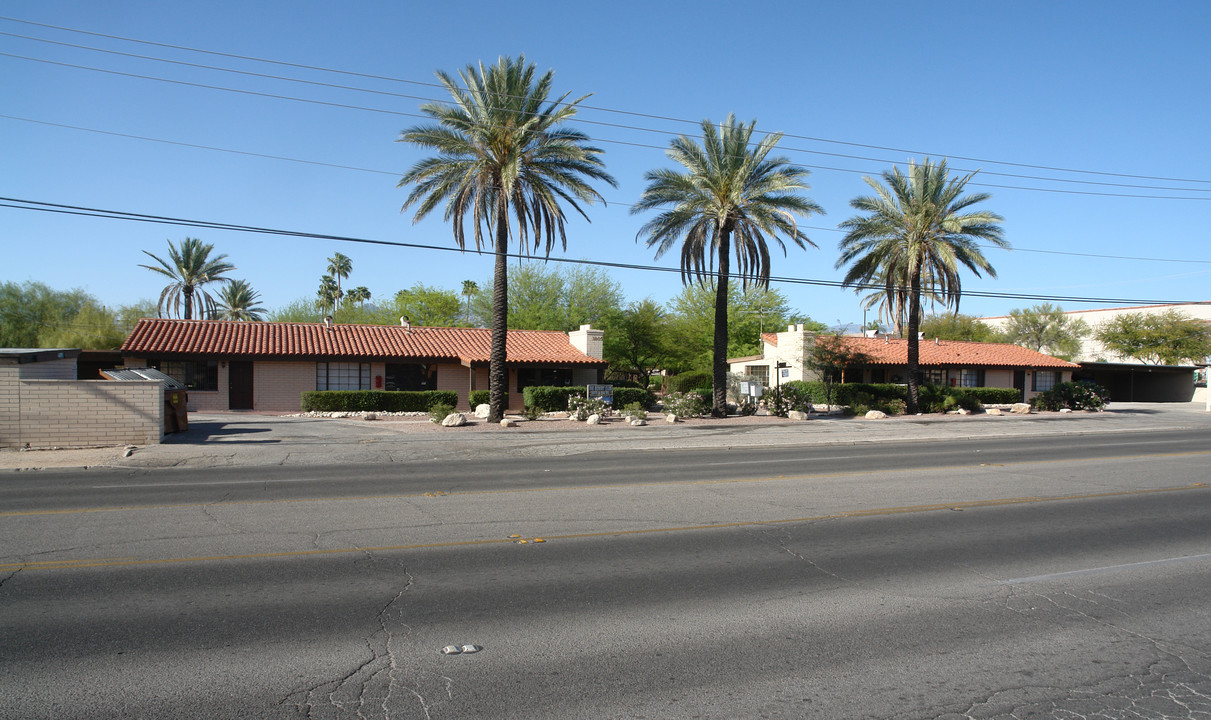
{"points": [[604, 392]]}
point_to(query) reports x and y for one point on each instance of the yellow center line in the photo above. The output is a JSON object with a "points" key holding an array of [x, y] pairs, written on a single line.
{"points": [[874, 512], [565, 488]]}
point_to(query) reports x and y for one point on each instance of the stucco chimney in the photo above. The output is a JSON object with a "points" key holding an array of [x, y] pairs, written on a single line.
{"points": [[588, 341]]}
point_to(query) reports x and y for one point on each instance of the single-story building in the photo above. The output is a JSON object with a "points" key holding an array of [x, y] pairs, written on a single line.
{"points": [[943, 362], [268, 366]]}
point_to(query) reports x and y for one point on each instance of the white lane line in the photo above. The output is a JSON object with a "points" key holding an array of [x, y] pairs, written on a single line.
{"points": [[1096, 571]]}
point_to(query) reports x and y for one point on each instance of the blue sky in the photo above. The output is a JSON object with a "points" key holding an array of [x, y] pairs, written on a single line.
{"points": [[1114, 88]]}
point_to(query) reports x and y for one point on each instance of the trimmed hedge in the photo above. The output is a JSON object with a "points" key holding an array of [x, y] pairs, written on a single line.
{"points": [[479, 397], [994, 396], [624, 396], [376, 400], [689, 381], [555, 398], [878, 393]]}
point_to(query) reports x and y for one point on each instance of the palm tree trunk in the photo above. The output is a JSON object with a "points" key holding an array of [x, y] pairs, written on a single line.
{"points": [[498, 374], [914, 344], [719, 361], [188, 302]]}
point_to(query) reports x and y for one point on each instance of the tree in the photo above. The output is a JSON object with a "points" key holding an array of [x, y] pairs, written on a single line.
{"points": [[1046, 328], [329, 294], [829, 357], [430, 306], [470, 288], [1168, 338], [893, 306], [303, 310], [730, 192], [359, 294], [339, 267], [191, 269], [917, 230], [238, 301], [956, 326], [502, 150], [634, 342]]}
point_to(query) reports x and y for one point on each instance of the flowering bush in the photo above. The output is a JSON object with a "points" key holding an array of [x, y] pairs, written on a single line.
{"points": [[684, 405], [581, 407], [1073, 395]]}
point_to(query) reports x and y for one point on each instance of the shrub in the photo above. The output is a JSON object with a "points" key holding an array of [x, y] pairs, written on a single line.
{"points": [[793, 395], [940, 399], [581, 407], [376, 400], [1072, 395], [530, 413], [479, 397], [549, 398], [439, 412], [995, 396], [684, 404], [747, 406], [636, 410], [624, 396], [687, 381], [707, 397]]}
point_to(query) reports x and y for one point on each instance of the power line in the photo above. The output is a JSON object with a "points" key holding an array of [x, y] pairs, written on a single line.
{"points": [[599, 108], [60, 208], [580, 120]]}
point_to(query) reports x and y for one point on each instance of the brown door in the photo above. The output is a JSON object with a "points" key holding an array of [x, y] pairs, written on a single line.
{"points": [[239, 385]]}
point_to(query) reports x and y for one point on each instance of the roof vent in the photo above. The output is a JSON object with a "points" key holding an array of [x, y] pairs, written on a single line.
{"points": [[328, 323], [920, 336], [872, 333], [935, 341], [406, 324]]}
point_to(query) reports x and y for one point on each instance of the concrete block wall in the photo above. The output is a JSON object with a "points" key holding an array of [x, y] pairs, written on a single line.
{"points": [[10, 406], [279, 386], [82, 413]]}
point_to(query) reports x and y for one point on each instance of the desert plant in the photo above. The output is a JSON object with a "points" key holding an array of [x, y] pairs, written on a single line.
{"points": [[531, 413], [581, 407], [635, 410], [440, 412]]}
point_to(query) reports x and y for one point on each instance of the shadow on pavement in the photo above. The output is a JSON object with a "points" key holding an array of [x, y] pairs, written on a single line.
{"points": [[206, 431]]}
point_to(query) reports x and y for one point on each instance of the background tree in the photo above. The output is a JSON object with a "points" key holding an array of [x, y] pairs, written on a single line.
{"points": [[730, 192], [829, 358], [238, 301], [502, 151], [470, 288], [303, 310], [428, 306], [328, 294], [916, 229], [34, 315], [1168, 338], [359, 295], [1047, 329], [191, 269], [634, 340], [339, 267], [956, 326]]}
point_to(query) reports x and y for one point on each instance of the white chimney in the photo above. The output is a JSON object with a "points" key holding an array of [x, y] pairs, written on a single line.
{"points": [[328, 323], [588, 341], [920, 336]]}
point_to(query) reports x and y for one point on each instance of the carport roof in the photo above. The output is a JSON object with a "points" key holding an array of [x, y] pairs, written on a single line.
{"points": [[268, 340]]}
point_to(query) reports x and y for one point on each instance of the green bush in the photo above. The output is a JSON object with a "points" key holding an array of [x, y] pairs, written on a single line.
{"points": [[636, 410], [376, 400], [995, 396], [550, 398], [581, 407], [439, 412], [687, 381], [707, 397], [1072, 395], [684, 404], [624, 396], [479, 397], [793, 395]]}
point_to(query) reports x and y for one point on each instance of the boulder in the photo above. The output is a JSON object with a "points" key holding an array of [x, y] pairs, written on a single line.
{"points": [[670, 418], [454, 420], [638, 422], [483, 410], [1020, 409], [370, 416], [593, 419], [994, 411], [508, 423], [1065, 410], [797, 415], [963, 411], [876, 415]]}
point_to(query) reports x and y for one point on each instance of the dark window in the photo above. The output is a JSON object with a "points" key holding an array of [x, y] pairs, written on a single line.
{"points": [[410, 376], [195, 374], [342, 376], [878, 375], [1044, 380], [971, 377], [543, 377], [934, 376]]}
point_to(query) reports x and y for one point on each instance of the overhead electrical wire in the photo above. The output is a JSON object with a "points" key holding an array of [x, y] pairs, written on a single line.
{"points": [[592, 107], [61, 208]]}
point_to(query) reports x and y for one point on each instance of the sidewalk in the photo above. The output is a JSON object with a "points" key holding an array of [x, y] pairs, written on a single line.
{"points": [[247, 439]]}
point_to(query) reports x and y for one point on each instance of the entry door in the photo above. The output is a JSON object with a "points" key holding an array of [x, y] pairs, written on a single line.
{"points": [[1019, 381], [239, 385]]}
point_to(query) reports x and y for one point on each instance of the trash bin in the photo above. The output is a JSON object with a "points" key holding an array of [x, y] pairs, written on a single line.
{"points": [[176, 413]]}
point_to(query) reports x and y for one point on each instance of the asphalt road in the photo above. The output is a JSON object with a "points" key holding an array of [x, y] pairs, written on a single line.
{"points": [[981, 579]]}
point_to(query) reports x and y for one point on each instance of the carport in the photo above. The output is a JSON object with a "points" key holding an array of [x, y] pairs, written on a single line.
{"points": [[1128, 382]]}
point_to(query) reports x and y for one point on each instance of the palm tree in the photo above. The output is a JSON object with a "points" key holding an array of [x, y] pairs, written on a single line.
{"points": [[501, 152], [359, 294], [893, 307], [470, 287], [339, 266], [190, 269], [329, 293], [730, 193], [917, 230], [238, 301]]}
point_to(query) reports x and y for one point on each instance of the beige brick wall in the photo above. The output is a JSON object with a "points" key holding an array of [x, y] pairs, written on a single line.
{"points": [[279, 386], [458, 379], [82, 413], [10, 406]]}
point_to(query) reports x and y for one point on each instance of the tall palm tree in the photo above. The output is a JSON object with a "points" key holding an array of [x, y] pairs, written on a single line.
{"points": [[731, 193], [501, 151], [359, 294], [893, 306], [329, 293], [238, 301], [917, 230], [339, 266], [470, 287], [190, 268]]}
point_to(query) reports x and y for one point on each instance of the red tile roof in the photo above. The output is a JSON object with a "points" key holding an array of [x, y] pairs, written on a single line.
{"points": [[894, 351], [268, 340]]}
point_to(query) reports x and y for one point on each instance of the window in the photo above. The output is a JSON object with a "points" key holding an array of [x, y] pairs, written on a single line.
{"points": [[934, 376], [1044, 380], [758, 372], [410, 376], [971, 377], [195, 374], [342, 376], [543, 377]]}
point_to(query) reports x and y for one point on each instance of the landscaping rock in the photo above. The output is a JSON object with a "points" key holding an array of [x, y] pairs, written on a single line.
{"points": [[876, 415], [593, 419], [454, 420], [797, 415], [638, 422], [483, 410], [1065, 410], [670, 418], [1020, 409], [370, 416], [994, 411], [508, 423]]}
